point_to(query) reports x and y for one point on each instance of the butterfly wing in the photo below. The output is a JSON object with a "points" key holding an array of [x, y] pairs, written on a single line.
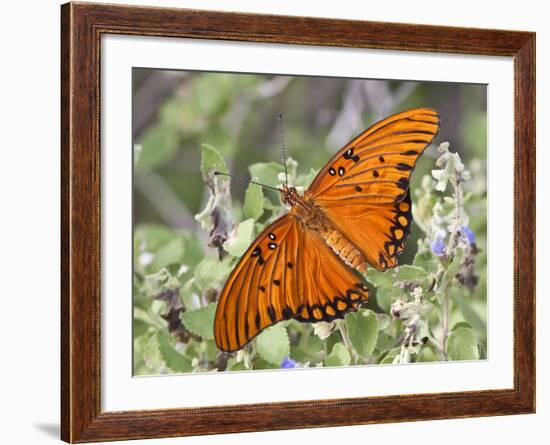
{"points": [[330, 288], [287, 272], [364, 188], [261, 289]]}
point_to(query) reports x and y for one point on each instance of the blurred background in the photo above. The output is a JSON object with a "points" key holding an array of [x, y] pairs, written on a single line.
{"points": [[174, 112]]}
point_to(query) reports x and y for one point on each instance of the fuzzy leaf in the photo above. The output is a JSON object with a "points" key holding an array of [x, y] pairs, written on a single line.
{"points": [[170, 253], [151, 354], [211, 272], [363, 331], [388, 278], [253, 202], [234, 365], [240, 239], [211, 160], [339, 356], [427, 260], [411, 273], [385, 296], [462, 345], [200, 321], [273, 344], [172, 358], [380, 279], [266, 172], [470, 314], [385, 342], [390, 356], [152, 236], [427, 354]]}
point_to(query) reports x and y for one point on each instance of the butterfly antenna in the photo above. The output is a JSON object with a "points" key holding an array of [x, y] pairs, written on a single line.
{"points": [[282, 135], [248, 181]]}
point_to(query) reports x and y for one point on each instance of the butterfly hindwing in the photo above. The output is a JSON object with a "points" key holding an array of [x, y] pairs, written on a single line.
{"points": [[379, 231], [330, 288]]}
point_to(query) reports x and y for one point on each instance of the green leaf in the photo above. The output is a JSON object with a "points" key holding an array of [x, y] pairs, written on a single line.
{"points": [[427, 260], [427, 354], [260, 363], [461, 324], [172, 358], [306, 180], [462, 345], [211, 160], [339, 356], [388, 358], [241, 238], [139, 327], [153, 236], [386, 296], [200, 321], [210, 272], [363, 331], [273, 344], [170, 253], [388, 278], [411, 273], [266, 172], [380, 279], [234, 365], [151, 354], [385, 342], [470, 314], [253, 202]]}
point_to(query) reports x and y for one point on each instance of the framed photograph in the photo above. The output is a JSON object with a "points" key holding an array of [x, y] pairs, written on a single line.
{"points": [[275, 222]]}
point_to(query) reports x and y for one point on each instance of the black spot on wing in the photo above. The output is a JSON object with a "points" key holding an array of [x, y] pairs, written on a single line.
{"points": [[404, 167]]}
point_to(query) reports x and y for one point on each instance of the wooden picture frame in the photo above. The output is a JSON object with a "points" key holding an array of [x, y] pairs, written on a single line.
{"points": [[82, 26]]}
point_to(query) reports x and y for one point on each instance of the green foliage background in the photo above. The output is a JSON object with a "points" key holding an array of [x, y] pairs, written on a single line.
{"points": [[188, 123]]}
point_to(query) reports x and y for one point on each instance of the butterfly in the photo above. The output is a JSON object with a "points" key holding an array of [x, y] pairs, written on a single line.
{"points": [[357, 211]]}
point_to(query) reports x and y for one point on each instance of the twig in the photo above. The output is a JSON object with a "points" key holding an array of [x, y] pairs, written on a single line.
{"points": [[347, 342], [449, 255]]}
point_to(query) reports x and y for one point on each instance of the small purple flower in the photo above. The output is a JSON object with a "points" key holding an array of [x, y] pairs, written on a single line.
{"points": [[438, 246], [288, 363], [469, 234]]}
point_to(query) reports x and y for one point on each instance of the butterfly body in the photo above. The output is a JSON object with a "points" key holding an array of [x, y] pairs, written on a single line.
{"points": [[357, 211], [305, 210]]}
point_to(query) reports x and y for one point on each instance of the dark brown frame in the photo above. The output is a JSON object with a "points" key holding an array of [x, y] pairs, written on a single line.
{"points": [[81, 28]]}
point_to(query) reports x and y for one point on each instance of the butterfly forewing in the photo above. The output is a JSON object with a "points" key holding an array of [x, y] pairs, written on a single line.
{"points": [[262, 288], [377, 164], [364, 188]]}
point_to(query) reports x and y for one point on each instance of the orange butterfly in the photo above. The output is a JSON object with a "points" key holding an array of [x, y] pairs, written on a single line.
{"points": [[356, 211]]}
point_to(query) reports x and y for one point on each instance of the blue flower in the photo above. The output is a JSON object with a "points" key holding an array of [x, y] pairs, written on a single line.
{"points": [[469, 234], [438, 246], [288, 363]]}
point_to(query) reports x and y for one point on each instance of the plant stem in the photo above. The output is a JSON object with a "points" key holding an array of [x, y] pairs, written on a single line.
{"points": [[347, 342], [450, 255], [445, 323]]}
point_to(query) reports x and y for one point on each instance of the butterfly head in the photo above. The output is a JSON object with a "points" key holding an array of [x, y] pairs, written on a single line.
{"points": [[289, 195]]}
